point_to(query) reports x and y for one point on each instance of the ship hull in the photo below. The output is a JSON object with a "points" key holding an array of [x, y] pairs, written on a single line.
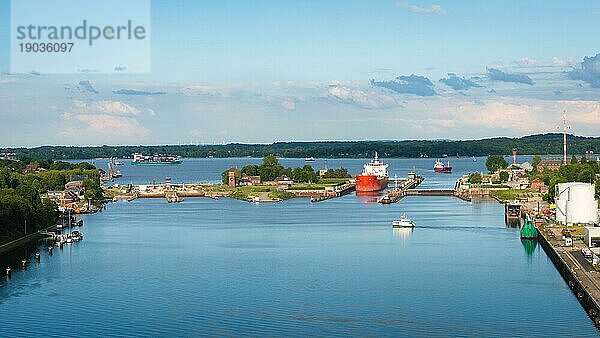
{"points": [[369, 183], [156, 163]]}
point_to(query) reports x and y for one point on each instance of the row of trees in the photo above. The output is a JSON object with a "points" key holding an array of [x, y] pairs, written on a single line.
{"points": [[534, 144], [21, 210], [20, 203], [270, 169], [577, 171]]}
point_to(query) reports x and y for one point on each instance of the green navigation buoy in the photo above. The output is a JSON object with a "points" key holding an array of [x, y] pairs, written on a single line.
{"points": [[528, 231]]}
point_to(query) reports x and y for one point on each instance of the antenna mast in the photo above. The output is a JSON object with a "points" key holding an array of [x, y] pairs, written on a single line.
{"points": [[564, 137]]}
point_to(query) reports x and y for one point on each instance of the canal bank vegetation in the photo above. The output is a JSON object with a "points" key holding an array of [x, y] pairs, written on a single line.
{"points": [[513, 194], [533, 144], [22, 184], [578, 170], [270, 170]]}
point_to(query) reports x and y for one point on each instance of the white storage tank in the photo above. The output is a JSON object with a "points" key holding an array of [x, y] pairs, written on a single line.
{"points": [[575, 203]]}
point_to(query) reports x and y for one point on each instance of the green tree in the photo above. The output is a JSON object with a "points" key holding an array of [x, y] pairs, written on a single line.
{"points": [[495, 162], [475, 178], [337, 173], [536, 160], [574, 160], [251, 170], [504, 176], [270, 161], [598, 188]]}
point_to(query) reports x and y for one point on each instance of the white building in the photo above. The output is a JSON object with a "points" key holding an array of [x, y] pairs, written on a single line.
{"points": [[575, 203], [591, 235]]}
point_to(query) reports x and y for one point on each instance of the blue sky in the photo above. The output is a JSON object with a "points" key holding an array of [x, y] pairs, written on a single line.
{"points": [[264, 71]]}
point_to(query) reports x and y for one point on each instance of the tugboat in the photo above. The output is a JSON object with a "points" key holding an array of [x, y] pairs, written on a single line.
{"points": [[403, 222]]}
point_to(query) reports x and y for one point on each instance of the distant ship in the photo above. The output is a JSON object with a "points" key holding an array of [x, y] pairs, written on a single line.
{"points": [[440, 167], [139, 159], [309, 159], [374, 176]]}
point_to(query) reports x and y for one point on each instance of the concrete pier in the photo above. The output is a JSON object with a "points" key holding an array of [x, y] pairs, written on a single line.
{"points": [[581, 277]]}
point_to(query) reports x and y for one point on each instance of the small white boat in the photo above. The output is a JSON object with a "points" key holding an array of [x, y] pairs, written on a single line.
{"points": [[76, 236], [309, 159], [403, 222]]}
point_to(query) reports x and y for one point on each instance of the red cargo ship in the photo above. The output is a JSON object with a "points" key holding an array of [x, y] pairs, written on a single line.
{"points": [[373, 178], [440, 167]]}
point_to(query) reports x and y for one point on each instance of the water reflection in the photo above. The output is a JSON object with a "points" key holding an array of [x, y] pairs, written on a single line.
{"points": [[513, 223], [529, 245], [402, 233]]}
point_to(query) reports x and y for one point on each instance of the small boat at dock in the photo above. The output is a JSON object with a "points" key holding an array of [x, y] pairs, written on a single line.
{"points": [[403, 222]]}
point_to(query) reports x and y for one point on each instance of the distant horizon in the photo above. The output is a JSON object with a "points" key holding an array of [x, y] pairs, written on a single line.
{"points": [[291, 142]]}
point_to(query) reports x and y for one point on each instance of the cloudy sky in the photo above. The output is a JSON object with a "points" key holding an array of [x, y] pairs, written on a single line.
{"points": [[264, 71]]}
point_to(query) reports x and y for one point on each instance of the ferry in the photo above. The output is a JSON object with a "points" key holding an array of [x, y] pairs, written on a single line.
{"points": [[374, 177], [403, 222], [139, 159], [309, 159]]}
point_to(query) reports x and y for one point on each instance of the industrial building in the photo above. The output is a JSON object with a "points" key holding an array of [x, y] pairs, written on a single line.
{"points": [[591, 236], [575, 204]]}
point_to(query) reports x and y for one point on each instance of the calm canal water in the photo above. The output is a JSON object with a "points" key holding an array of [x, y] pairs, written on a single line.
{"points": [[334, 268]]}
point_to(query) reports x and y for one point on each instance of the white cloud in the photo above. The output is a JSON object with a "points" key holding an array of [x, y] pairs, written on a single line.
{"points": [[103, 122], [102, 128], [568, 62], [526, 62], [105, 107], [199, 90], [362, 98], [433, 9], [288, 104], [196, 133]]}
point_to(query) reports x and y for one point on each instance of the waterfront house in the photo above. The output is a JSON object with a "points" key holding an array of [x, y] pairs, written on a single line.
{"points": [[539, 185], [32, 168], [526, 166], [249, 180], [283, 182], [78, 185], [8, 156], [549, 164]]}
